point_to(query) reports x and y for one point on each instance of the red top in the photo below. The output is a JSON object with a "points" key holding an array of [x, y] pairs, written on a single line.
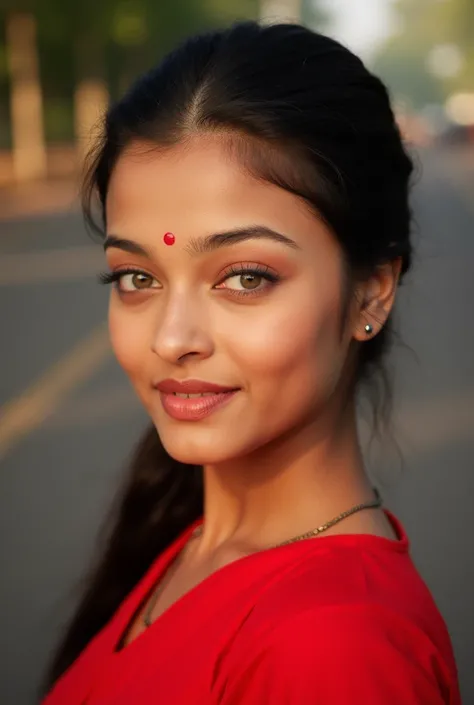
{"points": [[337, 620]]}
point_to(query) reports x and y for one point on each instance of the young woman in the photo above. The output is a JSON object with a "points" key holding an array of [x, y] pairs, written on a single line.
{"points": [[254, 197]]}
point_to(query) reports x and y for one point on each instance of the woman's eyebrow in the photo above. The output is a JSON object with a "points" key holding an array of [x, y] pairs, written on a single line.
{"points": [[198, 246], [210, 243], [127, 245]]}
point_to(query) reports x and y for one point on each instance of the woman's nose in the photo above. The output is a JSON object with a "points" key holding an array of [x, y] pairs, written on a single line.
{"points": [[182, 330]]}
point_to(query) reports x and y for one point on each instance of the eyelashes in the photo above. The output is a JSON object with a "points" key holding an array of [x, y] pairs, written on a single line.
{"points": [[113, 277], [120, 274], [259, 271], [139, 279]]}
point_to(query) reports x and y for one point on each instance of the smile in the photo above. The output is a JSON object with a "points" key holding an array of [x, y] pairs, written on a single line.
{"points": [[194, 396], [194, 407]]}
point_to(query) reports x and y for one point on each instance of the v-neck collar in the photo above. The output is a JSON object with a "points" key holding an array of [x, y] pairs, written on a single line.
{"points": [[132, 604], [100, 660]]}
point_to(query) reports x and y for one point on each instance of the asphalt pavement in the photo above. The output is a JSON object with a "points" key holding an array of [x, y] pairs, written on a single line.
{"points": [[68, 418]]}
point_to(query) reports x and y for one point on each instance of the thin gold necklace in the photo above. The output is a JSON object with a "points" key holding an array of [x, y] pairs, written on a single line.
{"points": [[147, 619]]}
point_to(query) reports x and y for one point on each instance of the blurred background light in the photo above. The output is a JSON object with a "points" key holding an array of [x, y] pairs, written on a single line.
{"points": [[445, 60], [460, 108]]}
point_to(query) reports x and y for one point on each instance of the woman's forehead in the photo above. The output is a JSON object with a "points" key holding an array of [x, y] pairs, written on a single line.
{"points": [[200, 186]]}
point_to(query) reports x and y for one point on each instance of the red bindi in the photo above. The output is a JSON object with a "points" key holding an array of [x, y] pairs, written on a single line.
{"points": [[168, 238]]}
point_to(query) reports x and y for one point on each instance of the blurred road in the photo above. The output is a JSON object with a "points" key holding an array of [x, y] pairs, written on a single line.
{"points": [[69, 419]]}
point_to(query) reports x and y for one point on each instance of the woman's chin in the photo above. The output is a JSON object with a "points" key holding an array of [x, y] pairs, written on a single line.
{"points": [[197, 451], [209, 446], [195, 457]]}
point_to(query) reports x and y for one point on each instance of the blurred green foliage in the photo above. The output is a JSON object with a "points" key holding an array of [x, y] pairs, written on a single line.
{"points": [[423, 26], [115, 40], [112, 40]]}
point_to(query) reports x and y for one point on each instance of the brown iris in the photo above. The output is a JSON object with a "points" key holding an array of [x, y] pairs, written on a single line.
{"points": [[141, 281], [249, 280]]}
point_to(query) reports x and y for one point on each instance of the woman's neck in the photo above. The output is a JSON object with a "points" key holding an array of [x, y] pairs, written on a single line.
{"points": [[284, 489]]}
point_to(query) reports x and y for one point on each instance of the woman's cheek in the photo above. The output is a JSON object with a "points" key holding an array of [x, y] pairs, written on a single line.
{"points": [[280, 340], [300, 354]]}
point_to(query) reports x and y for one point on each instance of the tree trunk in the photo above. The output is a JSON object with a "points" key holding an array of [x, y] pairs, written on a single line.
{"points": [[91, 95], [26, 104]]}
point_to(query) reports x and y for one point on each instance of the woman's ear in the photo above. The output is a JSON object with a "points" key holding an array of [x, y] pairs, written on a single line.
{"points": [[375, 298]]}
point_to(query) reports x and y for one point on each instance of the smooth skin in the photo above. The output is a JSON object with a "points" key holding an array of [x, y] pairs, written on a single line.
{"points": [[283, 456]]}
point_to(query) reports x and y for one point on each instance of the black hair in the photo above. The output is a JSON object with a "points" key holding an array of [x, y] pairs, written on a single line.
{"points": [[304, 113]]}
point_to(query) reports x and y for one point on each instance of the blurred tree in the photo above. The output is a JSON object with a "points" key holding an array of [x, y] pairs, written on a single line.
{"points": [[74, 40], [25, 94], [308, 12], [432, 51], [314, 15], [90, 49], [459, 19], [280, 10]]}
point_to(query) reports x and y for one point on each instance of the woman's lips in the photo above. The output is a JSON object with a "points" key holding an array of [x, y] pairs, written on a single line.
{"points": [[194, 408]]}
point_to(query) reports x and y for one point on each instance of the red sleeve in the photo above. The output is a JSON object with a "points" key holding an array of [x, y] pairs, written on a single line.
{"points": [[348, 655]]}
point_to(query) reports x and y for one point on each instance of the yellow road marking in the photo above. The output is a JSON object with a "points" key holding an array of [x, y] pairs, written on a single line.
{"points": [[26, 412]]}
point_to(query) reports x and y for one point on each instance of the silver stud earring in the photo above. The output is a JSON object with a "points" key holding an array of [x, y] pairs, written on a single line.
{"points": [[368, 329]]}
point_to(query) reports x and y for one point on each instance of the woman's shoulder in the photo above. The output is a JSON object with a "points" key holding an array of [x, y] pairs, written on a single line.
{"points": [[349, 581], [349, 610], [345, 572], [358, 653]]}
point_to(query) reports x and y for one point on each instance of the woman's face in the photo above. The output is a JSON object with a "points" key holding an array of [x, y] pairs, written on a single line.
{"points": [[189, 312]]}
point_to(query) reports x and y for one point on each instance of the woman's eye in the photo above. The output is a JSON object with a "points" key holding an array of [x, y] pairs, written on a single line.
{"points": [[244, 281], [135, 281], [248, 281], [127, 281]]}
